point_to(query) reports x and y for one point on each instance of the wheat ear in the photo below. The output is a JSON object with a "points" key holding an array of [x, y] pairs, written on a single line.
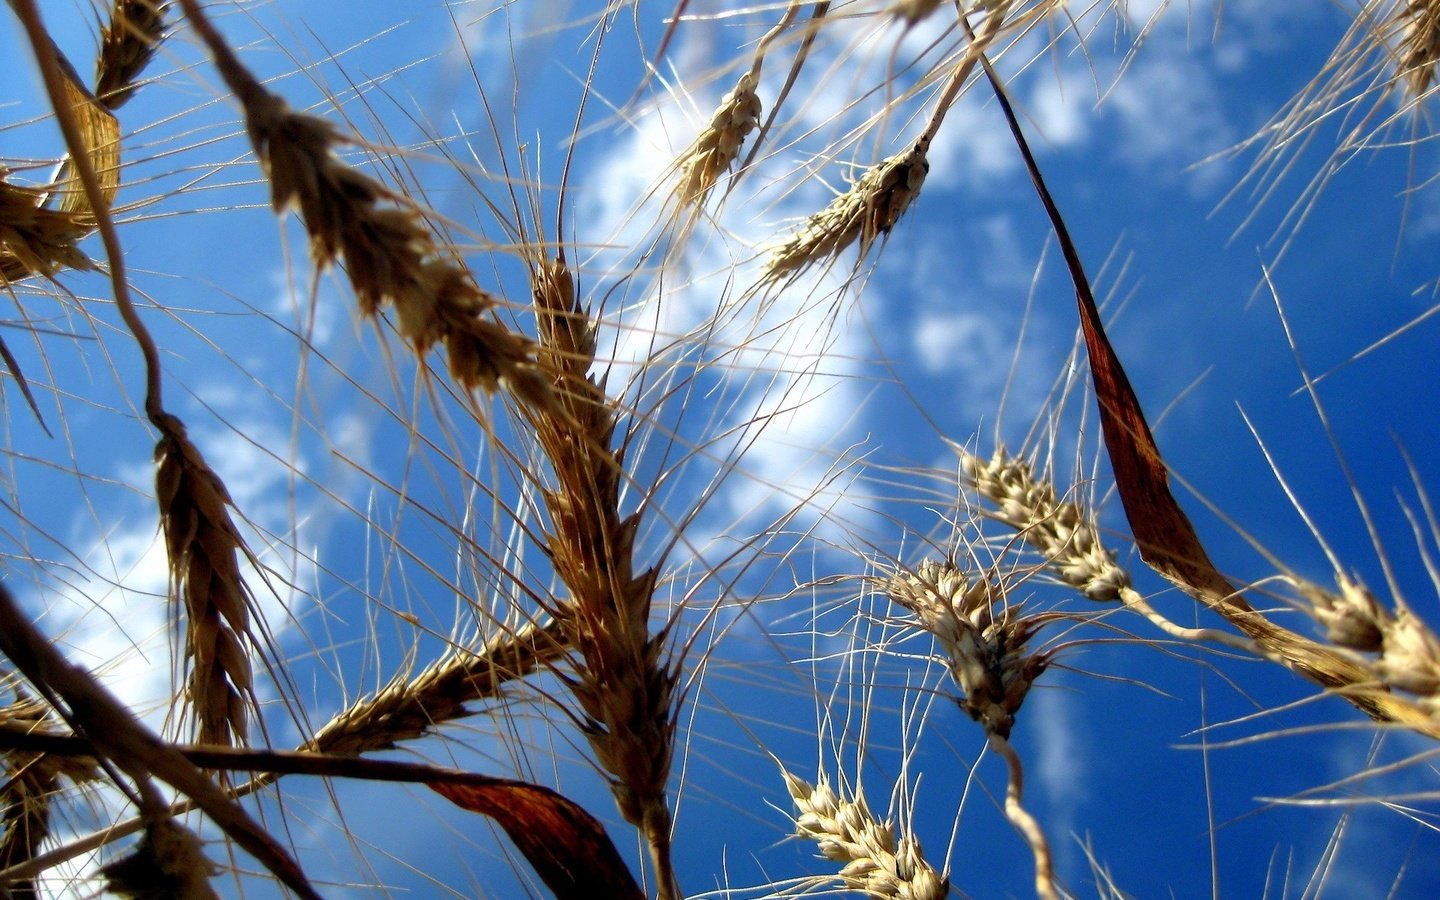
{"points": [[874, 204], [1411, 34], [873, 861], [1068, 539], [31, 781], [127, 44], [37, 238], [402, 711], [205, 550], [409, 707], [716, 148], [388, 251], [621, 681], [192, 498], [1406, 652], [985, 640]]}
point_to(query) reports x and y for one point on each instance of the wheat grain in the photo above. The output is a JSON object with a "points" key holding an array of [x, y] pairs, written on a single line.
{"points": [[873, 860]]}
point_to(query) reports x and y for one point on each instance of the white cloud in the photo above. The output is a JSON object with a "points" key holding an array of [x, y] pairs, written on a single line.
{"points": [[1170, 115], [1061, 111]]}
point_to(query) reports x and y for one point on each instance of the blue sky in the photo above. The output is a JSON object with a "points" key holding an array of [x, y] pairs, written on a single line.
{"points": [[858, 387]]}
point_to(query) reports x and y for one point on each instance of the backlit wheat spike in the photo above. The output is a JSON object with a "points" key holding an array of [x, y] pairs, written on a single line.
{"points": [[1414, 28], [1068, 539], [31, 784], [1060, 530], [716, 148], [873, 861], [621, 679], [1406, 650], [389, 253], [38, 240], [38, 235], [127, 44], [874, 204], [985, 640], [205, 550], [867, 211], [983, 635], [410, 707]]}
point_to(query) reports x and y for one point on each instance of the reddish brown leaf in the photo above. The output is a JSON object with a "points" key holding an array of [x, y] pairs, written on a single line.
{"points": [[567, 846], [1161, 529], [1163, 532]]}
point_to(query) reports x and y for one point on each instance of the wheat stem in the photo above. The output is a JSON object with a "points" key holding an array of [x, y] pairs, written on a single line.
{"points": [[1020, 817]]}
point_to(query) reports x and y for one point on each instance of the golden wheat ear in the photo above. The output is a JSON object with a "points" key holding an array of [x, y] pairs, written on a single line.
{"points": [[410, 707], [205, 549], [717, 147], [864, 213], [1410, 34], [385, 244], [622, 680], [873, 861], [41, 228], [127, 44]]}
